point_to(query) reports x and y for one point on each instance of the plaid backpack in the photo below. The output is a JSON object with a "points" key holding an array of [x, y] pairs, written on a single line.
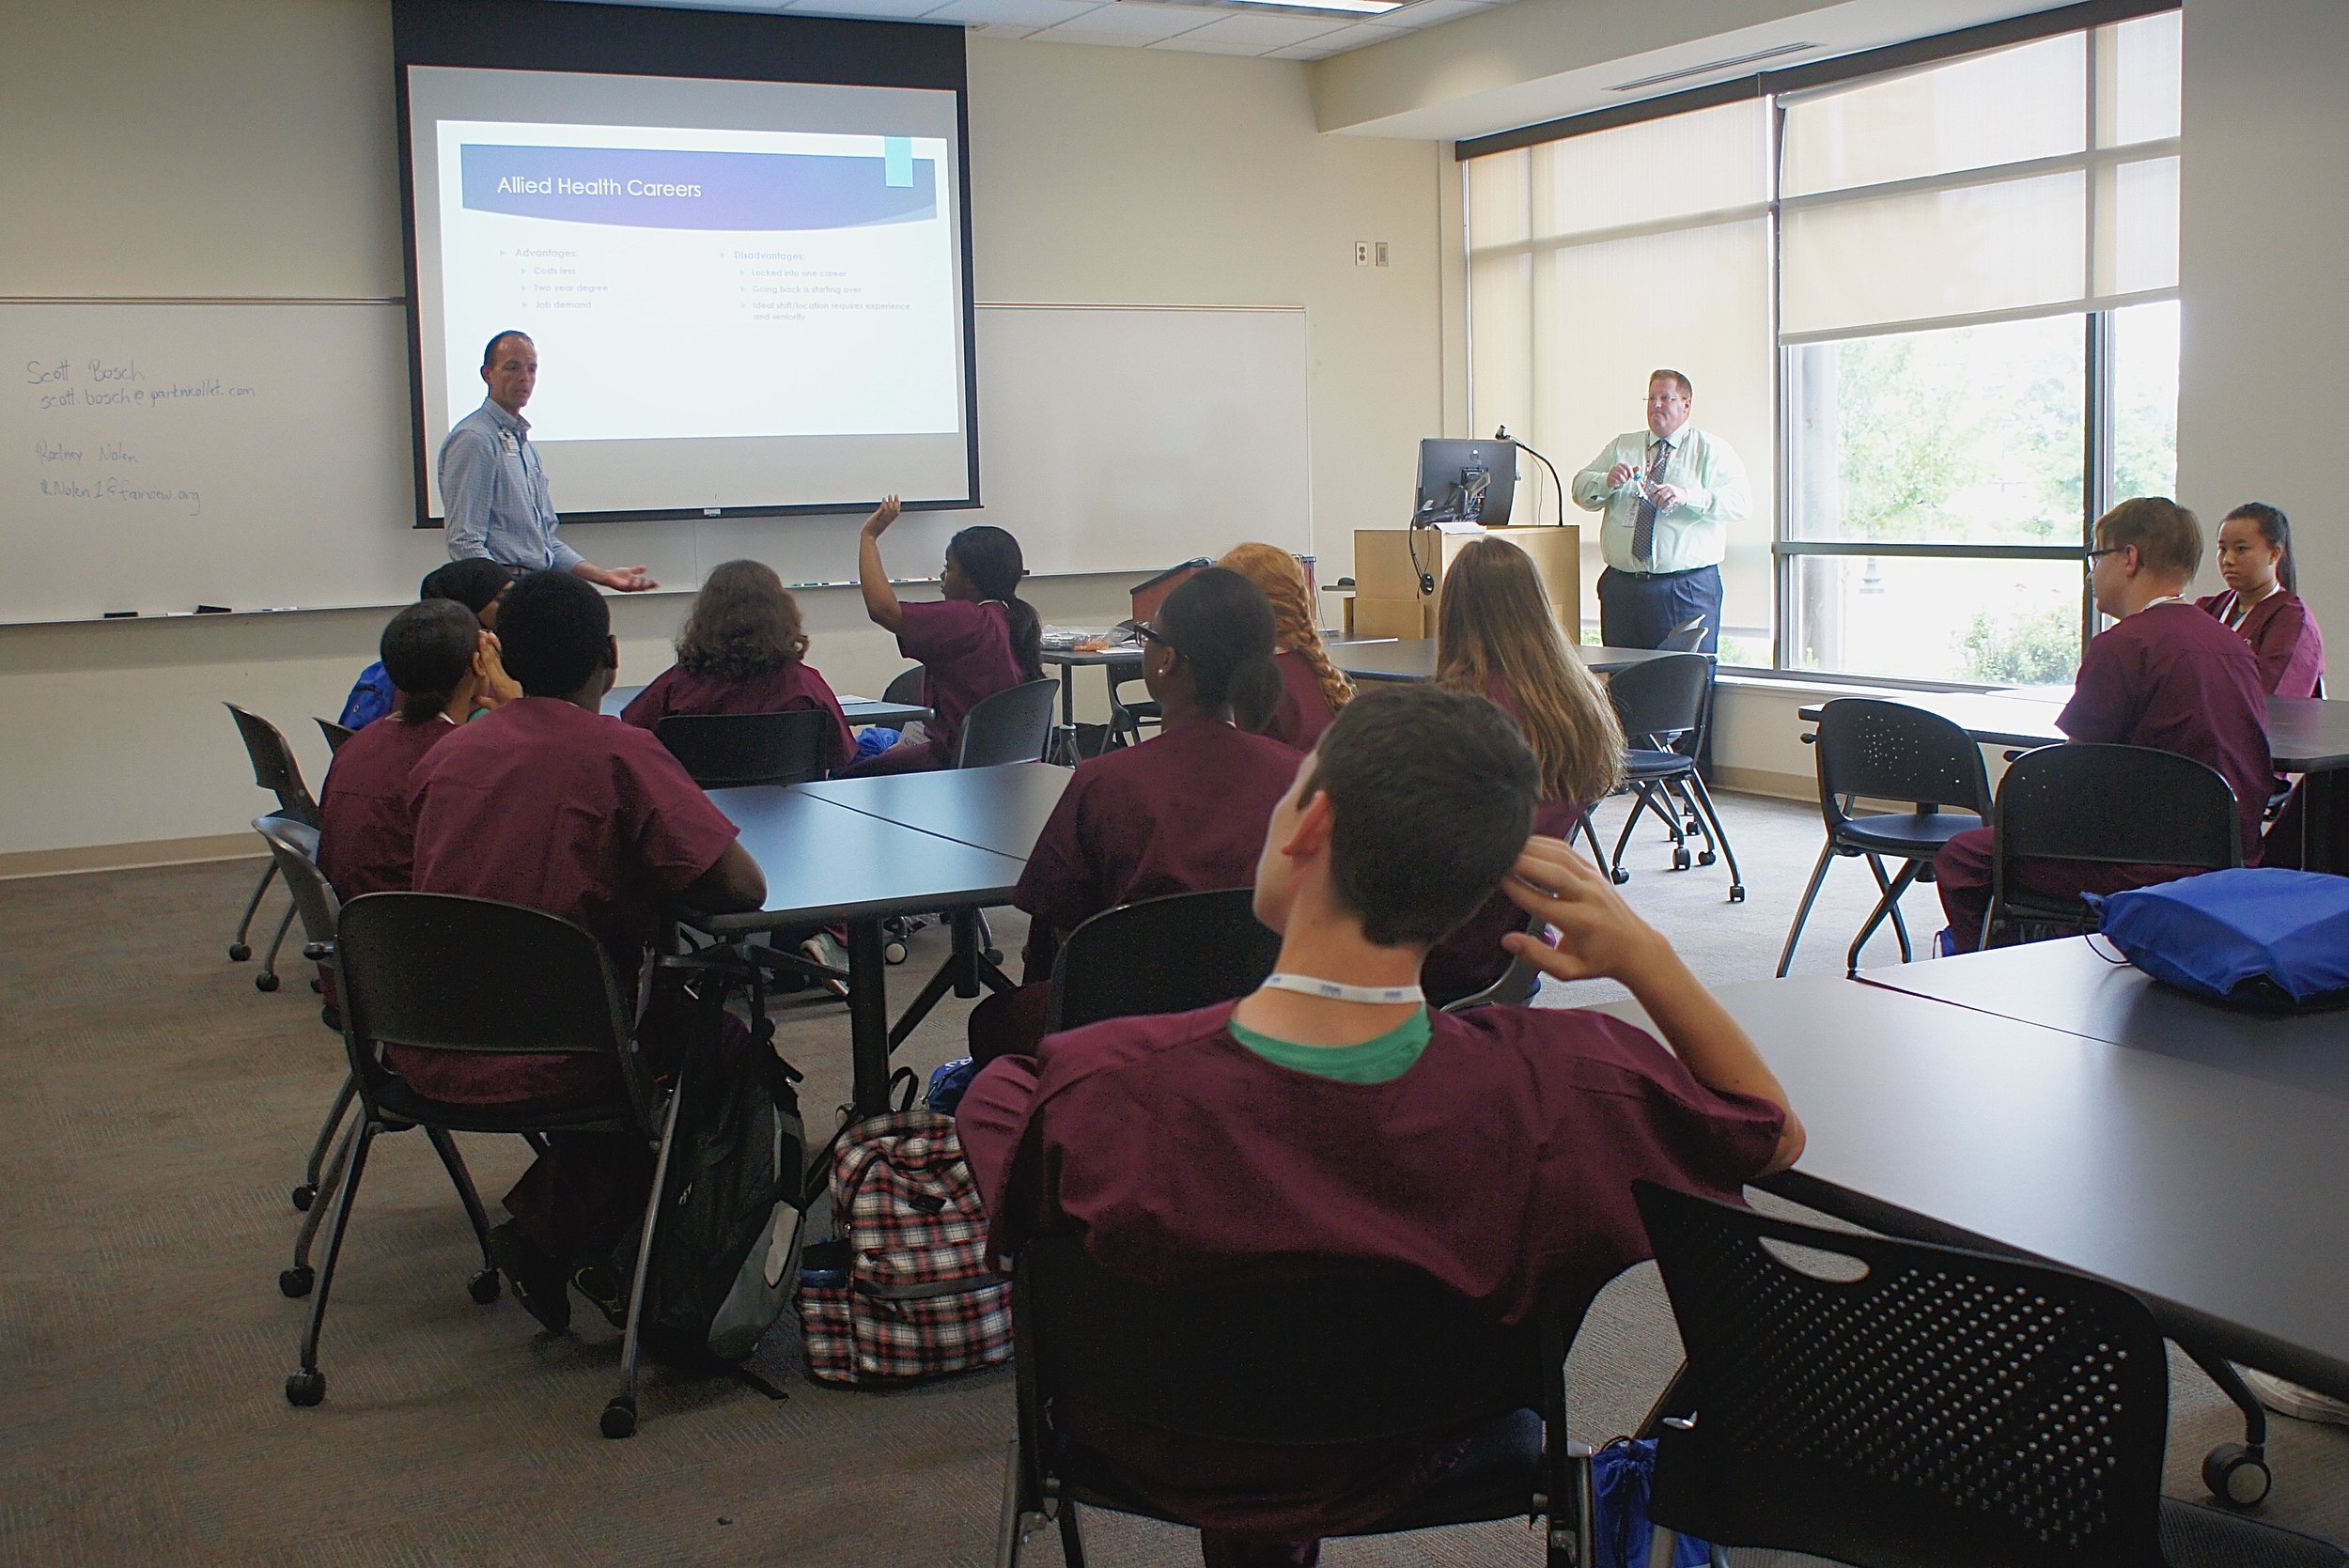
{"points": [[904, 1290]]}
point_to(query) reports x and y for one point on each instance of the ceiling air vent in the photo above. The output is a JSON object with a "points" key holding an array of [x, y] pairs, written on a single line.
{"points": [[1779, 53]]}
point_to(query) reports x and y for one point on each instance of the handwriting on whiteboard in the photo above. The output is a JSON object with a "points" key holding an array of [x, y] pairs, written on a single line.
{"points": [[72, 466]]}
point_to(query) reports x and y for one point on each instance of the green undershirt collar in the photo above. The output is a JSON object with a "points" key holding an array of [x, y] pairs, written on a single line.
{"points": [[1381, 1059]]}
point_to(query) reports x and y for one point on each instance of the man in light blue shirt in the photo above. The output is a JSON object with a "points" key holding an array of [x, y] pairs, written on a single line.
{"points": [[1670, 493], [494, 486]]}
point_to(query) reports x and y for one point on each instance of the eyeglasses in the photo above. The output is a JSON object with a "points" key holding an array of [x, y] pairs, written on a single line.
{"points": [[2092, 556], [1149, 633]]}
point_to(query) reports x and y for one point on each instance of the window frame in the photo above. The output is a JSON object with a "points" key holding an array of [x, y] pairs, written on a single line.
{"points": [[2098, 166]]}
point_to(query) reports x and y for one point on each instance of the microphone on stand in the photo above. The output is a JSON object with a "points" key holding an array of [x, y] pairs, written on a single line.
{"points": [[1502, 434]]}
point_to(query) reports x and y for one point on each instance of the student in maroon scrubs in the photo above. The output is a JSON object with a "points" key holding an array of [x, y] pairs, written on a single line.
{"points": [[546, 802], [2262, 601], [980, 639], [1330, 1115], [743, 651], [1312, 688], [434, 655], [1497, 636], [2165, 676], [1184, 812]]}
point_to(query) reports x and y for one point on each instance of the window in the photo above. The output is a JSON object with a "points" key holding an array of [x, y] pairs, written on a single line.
{"points": [[1940, 305]]}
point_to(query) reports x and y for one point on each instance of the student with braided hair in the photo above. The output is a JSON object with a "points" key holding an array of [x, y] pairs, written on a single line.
{"points": [[1313, 689]]}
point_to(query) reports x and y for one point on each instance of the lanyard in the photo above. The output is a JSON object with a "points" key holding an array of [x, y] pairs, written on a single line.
{"points": [[1330, 990]]}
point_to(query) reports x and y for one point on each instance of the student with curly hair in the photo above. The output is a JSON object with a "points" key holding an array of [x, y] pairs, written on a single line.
{"points": [[743, 651], [1313, 689]]}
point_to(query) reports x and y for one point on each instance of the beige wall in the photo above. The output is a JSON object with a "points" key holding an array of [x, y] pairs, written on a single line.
{"points": [[247, 146], [2264, 203]]}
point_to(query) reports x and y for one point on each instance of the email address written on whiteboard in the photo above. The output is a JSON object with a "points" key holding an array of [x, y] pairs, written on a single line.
{"points": [[74, 395]]}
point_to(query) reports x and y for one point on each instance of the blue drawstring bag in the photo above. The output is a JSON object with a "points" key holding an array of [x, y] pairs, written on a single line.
{"points": [[948, 1082], [2266, 938], [1621, 1532]]}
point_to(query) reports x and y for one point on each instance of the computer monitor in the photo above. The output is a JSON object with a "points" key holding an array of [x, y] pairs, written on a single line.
{"points": [[1465, 481]]}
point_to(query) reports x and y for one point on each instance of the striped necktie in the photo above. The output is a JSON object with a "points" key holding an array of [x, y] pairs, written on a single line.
{"points": [[1643, 526]]}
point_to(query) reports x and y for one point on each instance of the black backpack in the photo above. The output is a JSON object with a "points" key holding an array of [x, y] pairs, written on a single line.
{"points": [[725, 1255]]}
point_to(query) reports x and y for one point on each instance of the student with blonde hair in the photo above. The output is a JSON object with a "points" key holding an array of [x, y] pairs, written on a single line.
{"points": [[1497, 637], [1312, 688]]}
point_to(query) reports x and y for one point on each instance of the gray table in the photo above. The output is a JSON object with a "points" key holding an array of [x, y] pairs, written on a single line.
{"points": [[2217, 1196], [2080, 985], [859, 710], [827, 860], [1000, 809], [1414, 658]]}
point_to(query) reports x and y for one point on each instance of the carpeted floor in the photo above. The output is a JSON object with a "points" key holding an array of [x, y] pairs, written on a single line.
{"points": [[160, 1110]]}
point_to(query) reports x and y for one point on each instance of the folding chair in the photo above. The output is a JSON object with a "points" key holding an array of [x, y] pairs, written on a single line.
{"points": [[410, 974], [722, 750], [1889, 752], [293, 848], [1347, 1354], [1898, 1405], [335, 734], [1515, 986], [1659, 701], [2107, 805], [275, 770], [1166, 954]]}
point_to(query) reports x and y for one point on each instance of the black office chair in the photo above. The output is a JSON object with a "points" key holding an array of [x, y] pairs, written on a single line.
{"points": [[1126, 719], [1344, 1355], [1515, 986], [293, 848], [1882, 751], [1688, 637], [1010, 726], [721, 749], [335, 734], [411, 973], [1660, 701], [904, 687], [1899, 1405], [1166, 954], [2111, 805], [275, 770]]}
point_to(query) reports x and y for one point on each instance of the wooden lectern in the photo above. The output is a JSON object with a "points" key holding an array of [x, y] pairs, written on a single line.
{"points": [[1387, 599]]}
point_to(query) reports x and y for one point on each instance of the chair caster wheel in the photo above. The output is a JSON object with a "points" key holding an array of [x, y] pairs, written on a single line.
{"points": [[1705, 857], [302, 1197], [305, 1389], [619, 1418], [484, 1287], [1619, 876], [993, 956], [238, 953], [2235, 1476], [1736, 892], [296, 1282], [1680, 858], [893, 952], [265, 981]]}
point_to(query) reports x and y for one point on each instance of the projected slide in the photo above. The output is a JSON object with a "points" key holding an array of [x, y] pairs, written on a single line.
{"points": [[809, 278], [745, 295]]}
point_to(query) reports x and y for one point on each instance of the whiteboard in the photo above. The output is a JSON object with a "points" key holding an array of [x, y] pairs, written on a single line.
{"points": [[159, 456]]}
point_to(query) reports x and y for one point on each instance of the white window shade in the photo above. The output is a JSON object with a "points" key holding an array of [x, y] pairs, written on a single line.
{"points": [[2006, 245], [1500, 203], [2006, 107], [2137, 228], [1713, 161], [2140, 97]]}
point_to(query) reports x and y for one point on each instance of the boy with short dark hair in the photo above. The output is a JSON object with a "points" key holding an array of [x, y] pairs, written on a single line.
{"points": [[2167, 676], [1328, 1116], [548, 803]]}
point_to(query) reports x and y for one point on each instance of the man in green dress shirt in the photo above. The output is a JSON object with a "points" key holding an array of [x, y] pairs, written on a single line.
{"points": [[1670, 493]]}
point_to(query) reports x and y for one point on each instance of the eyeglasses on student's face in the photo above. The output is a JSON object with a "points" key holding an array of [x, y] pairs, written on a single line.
{"points": [[1149, 633], [2095, 556]]}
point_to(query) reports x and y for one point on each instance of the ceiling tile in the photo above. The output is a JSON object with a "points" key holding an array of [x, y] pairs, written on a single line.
{"points": [[1317, 50], [879, 10], [1359, 36], [1010, 14], [999, 30], [1430, 13], [1138, 20], [1270, 30], [1104, 40]]}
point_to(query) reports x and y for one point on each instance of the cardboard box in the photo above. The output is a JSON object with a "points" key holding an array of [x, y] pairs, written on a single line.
{"points": [[1385, 575]]}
